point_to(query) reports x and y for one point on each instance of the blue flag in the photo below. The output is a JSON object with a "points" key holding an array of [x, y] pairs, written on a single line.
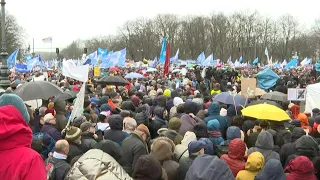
{"points": [[117, 58], [31, 63], [21, 68], [200, 58], [11, 61], [292, 63], [240, 59], [255, 61], [162, 58], [102, 52]]}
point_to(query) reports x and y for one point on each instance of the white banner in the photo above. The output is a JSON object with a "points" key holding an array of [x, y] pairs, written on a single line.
{"points": [[78, 106], [79, 73]]}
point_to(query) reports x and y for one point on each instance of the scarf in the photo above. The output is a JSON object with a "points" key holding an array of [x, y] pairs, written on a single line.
{"points": [[214, 134], [59, 156]]}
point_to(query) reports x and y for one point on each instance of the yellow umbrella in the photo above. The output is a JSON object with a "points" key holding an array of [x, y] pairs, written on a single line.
{"points": [[266, 112]]}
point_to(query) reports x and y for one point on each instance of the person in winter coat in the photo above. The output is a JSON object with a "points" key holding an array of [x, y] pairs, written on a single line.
{"points": [[60, 108], [271, 171], [235, 157], [129, 125], [88, 136], [214, 133], [59, 160], [18, 160], [95, 164], [162, 149], [174, 125], [289, 149], [209, 167], [181, 150], [189, 120], [195, 148], [49, 128], [160, 120], [115, 132], [300, 168], [295, 110], [46, 144], [254, 165], [264, 145], [73, 136], [176, 102], [148, 168], [305, 146], [214, 113], [133, 147], [304, 123], [111, 148], [232, 111]]}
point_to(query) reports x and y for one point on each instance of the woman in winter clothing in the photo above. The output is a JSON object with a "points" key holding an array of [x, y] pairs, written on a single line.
{"points": [[271, 171], [214, 113], [264, 145], [162, 149], [18, 160], [189, 120], [253, 166], [214, 133], [95, 164], [235, 156], [300, 168], [181, 150]]}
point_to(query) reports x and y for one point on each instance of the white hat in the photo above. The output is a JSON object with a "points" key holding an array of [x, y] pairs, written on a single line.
{"points": [[48, 117]]}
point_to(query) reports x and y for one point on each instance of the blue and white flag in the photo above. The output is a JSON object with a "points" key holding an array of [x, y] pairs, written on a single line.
{"points": [[292, 64], [92, 58], [21, 68], [200, 58], [11, 61], [117, 58], [31, 63], [162, 58], [175, 58], [102, 52], [208, 61], [240, 59], [255, 61]]}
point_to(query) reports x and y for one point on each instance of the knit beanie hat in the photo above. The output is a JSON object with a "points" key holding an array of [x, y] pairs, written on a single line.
{"points": [[17, 102], [213, 125], [147, 167], [196, 146], [175, 123], [167, 93], [73, 133], [177, 101]]}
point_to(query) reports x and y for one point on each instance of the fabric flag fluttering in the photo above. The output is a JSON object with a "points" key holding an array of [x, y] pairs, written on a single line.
{"points": [[200, 58], [162, 57], [167, 62], [175, 58], [292, 63], [240, 59], [78, 106], [267, 54], [47, 40], [255, 61], [70, 69], [11, 61]]}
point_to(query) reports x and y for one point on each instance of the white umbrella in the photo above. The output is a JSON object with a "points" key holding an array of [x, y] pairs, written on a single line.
{"points": [[152, 70], [176, 70]]}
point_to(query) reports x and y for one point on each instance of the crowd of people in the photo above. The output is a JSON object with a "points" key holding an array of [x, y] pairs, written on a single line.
{"points": [[156, 128]]}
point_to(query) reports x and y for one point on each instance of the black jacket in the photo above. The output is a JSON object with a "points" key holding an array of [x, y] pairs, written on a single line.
{"points": [[116, 136], [133, 147], [61, 168], [74, 150], [87, 142], [184, 165]]}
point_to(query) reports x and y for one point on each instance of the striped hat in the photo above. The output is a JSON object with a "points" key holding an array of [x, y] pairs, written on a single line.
{"points": [[73, 133]]}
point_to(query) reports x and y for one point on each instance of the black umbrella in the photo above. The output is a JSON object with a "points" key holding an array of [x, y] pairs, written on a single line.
{"points": [[37, 90], [112, 80], [15, 84], [65, 96], [264, 101]]}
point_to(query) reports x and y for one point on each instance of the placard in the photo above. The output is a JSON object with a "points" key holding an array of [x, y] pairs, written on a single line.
{"points": [[296, 94], [248, 86]]}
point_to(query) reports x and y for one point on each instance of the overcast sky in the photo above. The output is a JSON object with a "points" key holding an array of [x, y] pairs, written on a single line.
{"points": [[67, 20]]}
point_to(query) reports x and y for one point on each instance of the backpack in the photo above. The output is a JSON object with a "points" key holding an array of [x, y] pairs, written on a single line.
{"points": [[51, 168]]}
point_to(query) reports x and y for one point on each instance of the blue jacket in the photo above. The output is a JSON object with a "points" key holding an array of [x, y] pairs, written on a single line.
{"points": [[214, 113]]}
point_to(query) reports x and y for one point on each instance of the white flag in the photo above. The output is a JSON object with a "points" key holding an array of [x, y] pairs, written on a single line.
{"points": [[78, 106], [79, 73]]}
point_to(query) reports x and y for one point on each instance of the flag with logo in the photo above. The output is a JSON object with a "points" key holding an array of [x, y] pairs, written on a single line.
{"points": [[47, 40]]}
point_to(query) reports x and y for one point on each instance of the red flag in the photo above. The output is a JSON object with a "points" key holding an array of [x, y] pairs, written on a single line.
{"points": [[167, 62]]}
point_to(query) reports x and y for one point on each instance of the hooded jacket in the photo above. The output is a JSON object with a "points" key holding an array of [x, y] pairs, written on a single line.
{"points": [[271, 171], [300, 168], [209, 167], [264, 145], [60, 107], [253, 166], [18, 160], [115, 132], [214, 113], [188, 123], [235, 156], [95, 164], [181, 150], [159, 121]]}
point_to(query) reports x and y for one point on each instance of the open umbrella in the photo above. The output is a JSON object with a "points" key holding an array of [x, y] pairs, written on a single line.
{"points": [[176, 70], [112, 80], [275, 96], [65, 96], [37, 90], [133, 75], [266, 112], [230, 98], [264, 101], [114, 69]]}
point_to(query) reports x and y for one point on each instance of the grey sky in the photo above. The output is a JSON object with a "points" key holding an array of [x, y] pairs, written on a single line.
{"points": [[67, 20]]}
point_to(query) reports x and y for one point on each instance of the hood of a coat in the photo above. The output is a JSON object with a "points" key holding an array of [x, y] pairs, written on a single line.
{"points": [[272, 171], [233, 111], [158, 111], [233, 132], [300, 165], [209, 167], [297, 133], [60, 107], [95, 164], [237, 149], [14, 131], [214, 109], [306, 145], [188, 137], [255, 162], [265, 141], [303, 119]]}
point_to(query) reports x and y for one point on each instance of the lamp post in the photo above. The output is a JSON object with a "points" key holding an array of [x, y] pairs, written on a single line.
{"points": [[4, 72]]}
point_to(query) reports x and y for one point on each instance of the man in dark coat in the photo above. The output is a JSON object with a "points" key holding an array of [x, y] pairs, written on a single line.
{"points": [[73, 137], [115, 132], [88, 136], [133, 147], [49, 128]]}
